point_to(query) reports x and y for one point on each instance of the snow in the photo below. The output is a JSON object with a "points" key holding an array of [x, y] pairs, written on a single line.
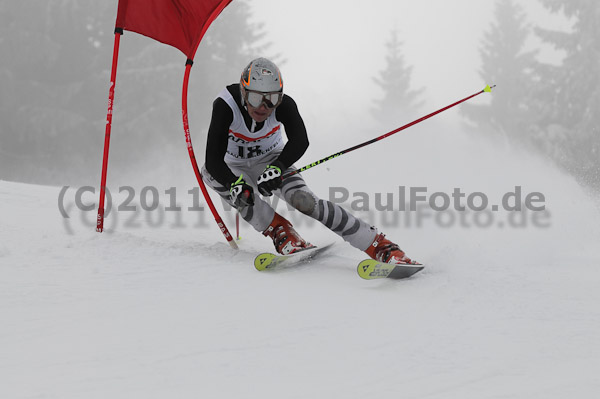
{"points": [[155, 312]]}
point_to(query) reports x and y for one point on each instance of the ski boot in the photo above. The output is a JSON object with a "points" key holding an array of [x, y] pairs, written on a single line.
{"points": [[383, 250], [285, 238]]}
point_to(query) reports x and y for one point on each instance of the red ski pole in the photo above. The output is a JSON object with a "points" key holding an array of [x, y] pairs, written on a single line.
{"points": [[487, 89]]}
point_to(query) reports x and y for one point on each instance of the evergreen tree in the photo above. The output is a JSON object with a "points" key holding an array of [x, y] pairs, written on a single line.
{"points": [[505, 63], [571, 119], [398, 101], [150, 99], [148, 94], [51, 67], [56, 67]]}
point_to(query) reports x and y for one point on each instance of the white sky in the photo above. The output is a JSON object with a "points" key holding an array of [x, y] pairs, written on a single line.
{"points": [[340, 45], [333, 48]]}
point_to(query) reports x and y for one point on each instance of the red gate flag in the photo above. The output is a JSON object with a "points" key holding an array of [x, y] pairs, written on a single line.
{"points": [[178, 23]]}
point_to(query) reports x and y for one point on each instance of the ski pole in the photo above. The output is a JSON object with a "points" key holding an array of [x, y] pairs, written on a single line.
{"points": [[487, 89]]}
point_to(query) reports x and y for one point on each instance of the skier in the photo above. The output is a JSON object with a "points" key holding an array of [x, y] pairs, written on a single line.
{"points": [[245, 152]]}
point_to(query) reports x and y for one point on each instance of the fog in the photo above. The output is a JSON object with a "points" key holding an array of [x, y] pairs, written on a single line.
{"points": [[159, 303], [329, 53], [333, 49]]}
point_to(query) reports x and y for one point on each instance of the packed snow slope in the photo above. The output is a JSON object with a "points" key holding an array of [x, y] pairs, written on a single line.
{"points": [[161, 307]]}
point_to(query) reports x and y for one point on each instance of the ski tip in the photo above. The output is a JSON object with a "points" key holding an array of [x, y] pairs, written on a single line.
{"points": [[370, 269], [263, 261], [488, 88]]}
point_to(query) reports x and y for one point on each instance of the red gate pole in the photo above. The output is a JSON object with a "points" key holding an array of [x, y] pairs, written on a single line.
{"points": [[111, 100], [188, 140]]}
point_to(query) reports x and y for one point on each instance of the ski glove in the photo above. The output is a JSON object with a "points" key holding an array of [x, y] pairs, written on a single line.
{"points": [[241, 194], [270, 179]]}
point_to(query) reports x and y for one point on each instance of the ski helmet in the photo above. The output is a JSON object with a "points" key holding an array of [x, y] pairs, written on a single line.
{"points": [[261, 75]]}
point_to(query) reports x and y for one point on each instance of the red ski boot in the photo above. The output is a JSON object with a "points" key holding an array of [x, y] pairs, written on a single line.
{"points": [[383, 250], [285, 238]]}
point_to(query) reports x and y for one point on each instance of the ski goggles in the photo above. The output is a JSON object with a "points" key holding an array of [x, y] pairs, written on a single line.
{"points": [[257, 98]]}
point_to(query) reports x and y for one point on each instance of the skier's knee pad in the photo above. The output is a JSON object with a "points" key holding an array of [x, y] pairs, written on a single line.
{"points": [[304, 202]]}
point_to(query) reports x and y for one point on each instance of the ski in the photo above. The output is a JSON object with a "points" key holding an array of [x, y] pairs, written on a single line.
{"points": [[370, 269], [270, 261]]}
